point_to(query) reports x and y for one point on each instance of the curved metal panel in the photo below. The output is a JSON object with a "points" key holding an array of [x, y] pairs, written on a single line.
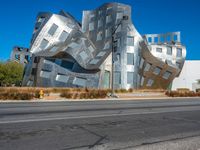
{"points": [[68, 54]]}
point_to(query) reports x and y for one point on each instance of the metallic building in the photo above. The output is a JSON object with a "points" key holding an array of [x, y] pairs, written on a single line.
{"points": [[20, 55], [66, 53]]}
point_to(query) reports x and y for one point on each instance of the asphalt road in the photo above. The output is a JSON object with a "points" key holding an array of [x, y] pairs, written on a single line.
{"points": [[97, 124]]}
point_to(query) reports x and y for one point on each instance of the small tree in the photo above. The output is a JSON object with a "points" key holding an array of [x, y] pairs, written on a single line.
{"points": [[11, 73]]}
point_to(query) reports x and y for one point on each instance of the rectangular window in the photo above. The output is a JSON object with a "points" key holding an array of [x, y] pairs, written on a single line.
{"points": [[108, 32], [91, 26], [130, 58], [179, 52], [53, 49], [130, 41], [91, 16], [53, 29], [66, 64], [27, 57], [63, 36], [119, 29], [83, 55], [150, 82], [118, 42], [68, 29], [17, 56], [100, 54], [100, 12], [178, 64], [58, 61], [79, 81], [147, 67], [94, 61], [119, 15], [73, 45], [108, 19], [62, 78], [99, 36], [166, 75], [107, 45], [159, 50], [118, 58], [30, 83], [157, 70], [100, 23], [117, 78], [44, 44], [91, 49], [109, 8], [169, 50], [141, 63], [41, 19], [45, 74], [130, 77], [142, 81]]}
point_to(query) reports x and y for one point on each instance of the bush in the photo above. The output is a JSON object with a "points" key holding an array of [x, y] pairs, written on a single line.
{"points": [[184, 93], [85, 94], [16, 96], [130, 90]]}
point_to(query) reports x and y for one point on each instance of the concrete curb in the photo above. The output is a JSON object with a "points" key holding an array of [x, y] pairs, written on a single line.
{"points": [[108, 99]]}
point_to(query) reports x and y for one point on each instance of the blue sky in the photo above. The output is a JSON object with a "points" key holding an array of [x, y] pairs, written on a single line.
{"points": [[149, 16]]}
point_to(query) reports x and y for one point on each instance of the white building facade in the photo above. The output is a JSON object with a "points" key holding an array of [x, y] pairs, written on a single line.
{"points": [[188, 76]]}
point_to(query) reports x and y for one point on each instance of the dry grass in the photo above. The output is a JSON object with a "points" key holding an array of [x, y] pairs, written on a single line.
{"points": [[17, 93], [85, 94], [182, 93]]}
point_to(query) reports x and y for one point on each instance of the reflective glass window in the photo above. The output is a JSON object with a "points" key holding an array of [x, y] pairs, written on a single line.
{"points": [[53, 29], [44, 44], [130, 77], [130, 58]]}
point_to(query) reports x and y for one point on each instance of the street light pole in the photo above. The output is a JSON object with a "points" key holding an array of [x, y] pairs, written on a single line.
{"points": [[113, 50]]}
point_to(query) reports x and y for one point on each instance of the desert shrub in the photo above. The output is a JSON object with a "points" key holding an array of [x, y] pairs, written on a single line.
{"points": [[37, 93], [182, 93], [130, 90], [98, 94], [197, 90], [75, 96], [66, 95], [198, 94], [123, 91], [16, 96], [86, 94], [183, 90], [86, 89]]}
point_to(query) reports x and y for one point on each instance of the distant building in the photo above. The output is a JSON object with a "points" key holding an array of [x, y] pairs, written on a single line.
{"points": [[20, 55], [189, 76], [67, 54]]}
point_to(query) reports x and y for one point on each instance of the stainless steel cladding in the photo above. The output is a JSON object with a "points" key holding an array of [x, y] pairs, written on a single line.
{"points": [[68, 54]]}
